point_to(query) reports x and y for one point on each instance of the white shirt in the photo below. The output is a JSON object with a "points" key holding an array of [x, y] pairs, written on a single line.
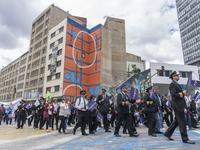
{"points": [[49, 111], [64, 110], [110, 101], [81, 104], [187, 99], [55, 106], [198, 107]]}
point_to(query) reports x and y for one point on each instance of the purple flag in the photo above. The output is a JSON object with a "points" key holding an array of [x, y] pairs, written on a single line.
{"points": [[28, 106], [74, 112], [133, 93], [196, 96], [109, 116], [193, 80], [152, 93], [99, 117], [141, 119], [92, 105], [136, 114]]}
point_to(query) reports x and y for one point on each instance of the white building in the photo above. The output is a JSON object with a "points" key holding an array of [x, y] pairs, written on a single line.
{"points": [[162, 80]]}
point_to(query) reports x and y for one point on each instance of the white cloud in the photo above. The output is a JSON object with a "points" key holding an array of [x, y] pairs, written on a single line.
{"points": [[148, 25]]}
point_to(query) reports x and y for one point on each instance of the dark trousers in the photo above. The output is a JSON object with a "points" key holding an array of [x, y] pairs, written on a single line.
{"points": [[55, 118], [179, 121], [40, 119], [93, 123], [126, 117], [47, 122], [20, 118], [62, 124], [132, 122], [35, 119], [151, 122], [166, 118], [81, 120], [112, 119], [171, 116], [105, 120]]}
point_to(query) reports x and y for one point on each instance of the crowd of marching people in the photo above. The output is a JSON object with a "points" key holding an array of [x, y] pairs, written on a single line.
{"points": [[113, 111]]}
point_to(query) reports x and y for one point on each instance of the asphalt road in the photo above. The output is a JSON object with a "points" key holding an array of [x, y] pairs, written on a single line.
{"points": [[31, 139]]}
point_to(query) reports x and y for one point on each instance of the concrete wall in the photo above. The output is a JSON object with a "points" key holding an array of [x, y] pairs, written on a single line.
{"points": [[106, 57], [117, 27]]}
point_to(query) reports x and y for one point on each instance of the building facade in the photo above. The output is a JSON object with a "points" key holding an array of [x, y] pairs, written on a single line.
{"points": [[12, 79], [189, 24]]}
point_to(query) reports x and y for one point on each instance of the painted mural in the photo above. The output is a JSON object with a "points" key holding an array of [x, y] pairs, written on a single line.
{"points": [[137, 80], [82, 52]]}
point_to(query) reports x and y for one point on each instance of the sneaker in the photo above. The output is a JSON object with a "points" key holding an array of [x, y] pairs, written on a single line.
{"points": [[47, 131]]}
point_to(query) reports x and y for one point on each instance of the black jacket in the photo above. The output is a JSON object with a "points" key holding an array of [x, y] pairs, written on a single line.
{"points": [[40, 111], [105, 105], [149, 107], [23, 111], [31, 109], [121, 101], [178, 101]]}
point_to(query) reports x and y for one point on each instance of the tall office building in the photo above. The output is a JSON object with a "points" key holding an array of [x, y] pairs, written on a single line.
{"points": [[189, 23]]}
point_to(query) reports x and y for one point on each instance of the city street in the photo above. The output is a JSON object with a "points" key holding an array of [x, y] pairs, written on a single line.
{"points": [[30, 139]]}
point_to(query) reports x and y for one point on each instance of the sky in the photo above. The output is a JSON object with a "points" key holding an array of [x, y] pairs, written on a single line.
{"points": [[152, 30]]}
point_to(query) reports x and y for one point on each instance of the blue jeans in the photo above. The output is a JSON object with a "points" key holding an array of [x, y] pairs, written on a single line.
{"points": [[159, 119], [66, 123], [1, 118], [8, 119], [187, 118]]}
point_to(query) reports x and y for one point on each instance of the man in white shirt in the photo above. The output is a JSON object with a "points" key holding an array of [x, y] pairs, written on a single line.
{"points": [[81, 106]]}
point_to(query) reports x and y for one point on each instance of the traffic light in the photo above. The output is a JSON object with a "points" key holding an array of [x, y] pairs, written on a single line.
{"points": [[14, 90]]}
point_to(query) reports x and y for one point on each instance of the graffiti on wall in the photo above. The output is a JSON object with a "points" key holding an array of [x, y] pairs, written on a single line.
{"points": [[82, 60]]}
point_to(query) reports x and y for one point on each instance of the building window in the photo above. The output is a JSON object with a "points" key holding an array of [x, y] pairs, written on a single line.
{"points": [[50, 56], [29, 58], [29, 66], [45, 41], [184, 74], [57, 75], [47, 22], [59, 52], [49, 67], [61, 29], [58, 63], [48, 13], [43, 50], [45, 31], [26, 84], [60, 40], [32, 41], [42, 70], [57, 88], [52, 45], [53, 34], [31, 49], [41, 80], [48, 89], [39, 92], [27, 76], [42, 60], [160, 73], [49, 78]]}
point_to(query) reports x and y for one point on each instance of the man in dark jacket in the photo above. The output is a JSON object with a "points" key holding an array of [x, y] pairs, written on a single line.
{"points": [[158, 113], [40, 111], [22, 114], [31, 111], [179, 105], [124, 114], [2, 113], [104, 108]]}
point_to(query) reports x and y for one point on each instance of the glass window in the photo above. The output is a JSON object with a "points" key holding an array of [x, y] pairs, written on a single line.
{"points": [[61, 29], [60, 40], [48, 89], [57, 88], [49, 78], [59, 63], [52, 45], [59, 52], [53, 34], [58, 76]]}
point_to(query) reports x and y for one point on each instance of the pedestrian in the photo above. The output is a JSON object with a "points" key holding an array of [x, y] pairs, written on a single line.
{"points": [[2, 113], [31, 111], [159, 112], [48, 113], [165, 110], [55, 105], [81, 106], [22, 114], [40, 111], [8, 116], [150, 109], [179, 105], [124, 114], [93, 123], [111, 100], [104, 108]]}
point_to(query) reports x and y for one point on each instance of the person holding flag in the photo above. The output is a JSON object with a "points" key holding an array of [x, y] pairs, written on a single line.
{"points": [[81, 106], [150, 109], [179, 105], [124, 114], [22, 114]]}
